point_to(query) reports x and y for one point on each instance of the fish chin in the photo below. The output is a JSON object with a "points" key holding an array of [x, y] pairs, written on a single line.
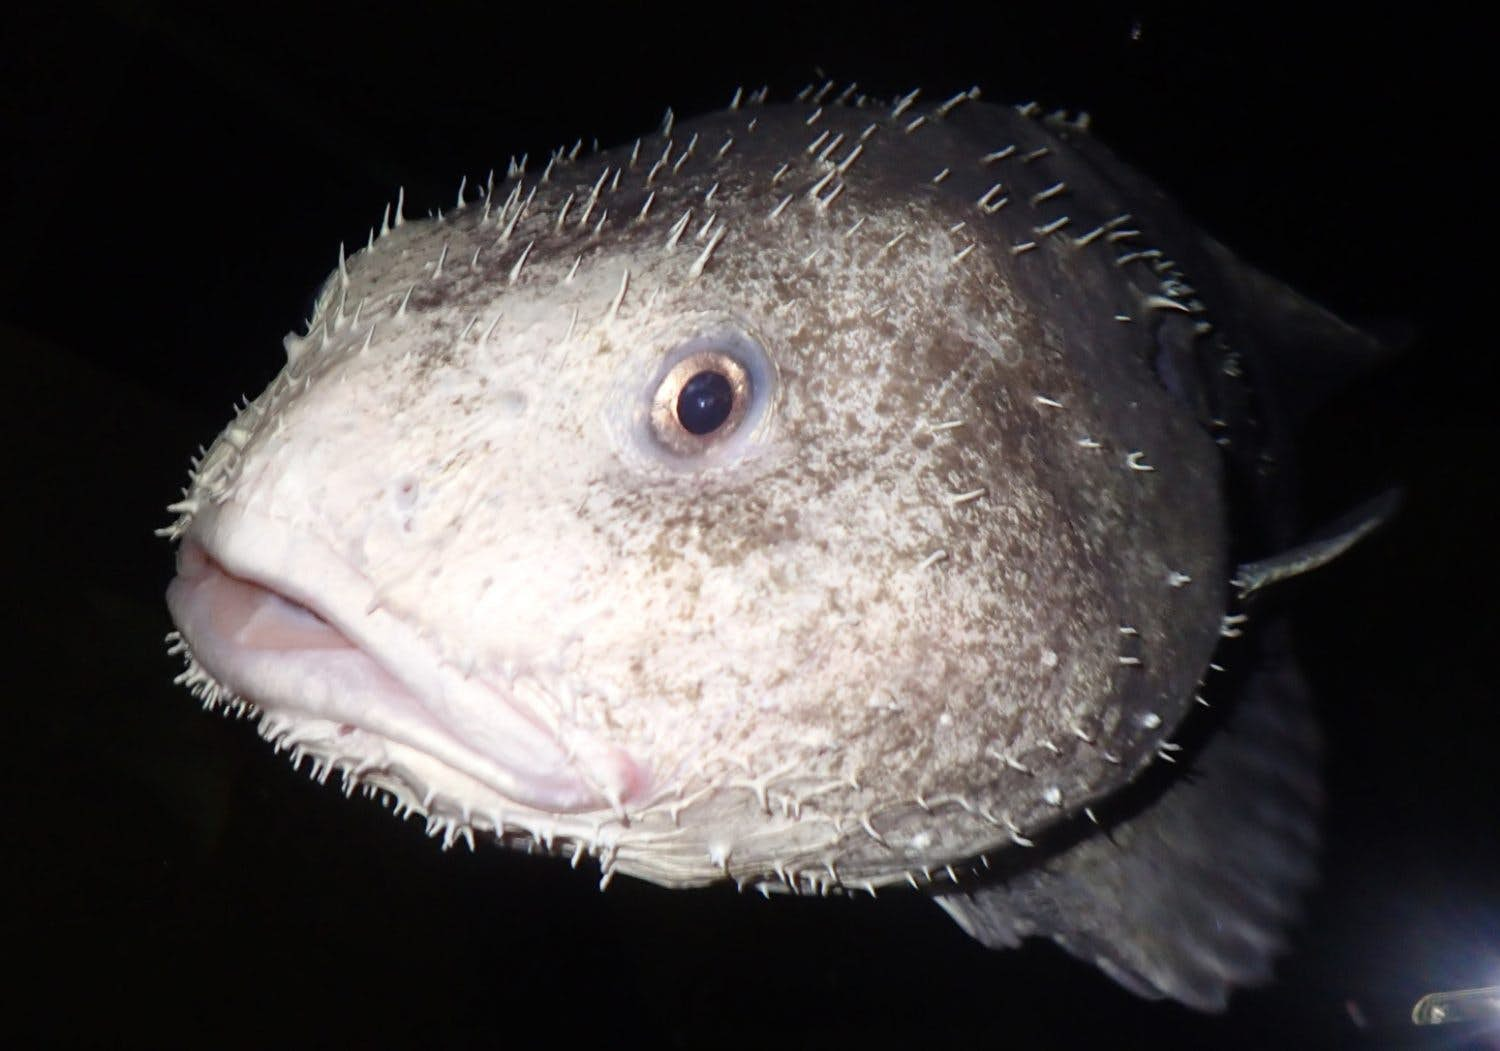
{"points": [[336, 677]]}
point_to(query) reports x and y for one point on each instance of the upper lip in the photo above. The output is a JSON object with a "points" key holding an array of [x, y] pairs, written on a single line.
{"points": [[279, 618]]}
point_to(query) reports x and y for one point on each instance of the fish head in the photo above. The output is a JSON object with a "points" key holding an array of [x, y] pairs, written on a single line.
{"points": [[754, 515]]}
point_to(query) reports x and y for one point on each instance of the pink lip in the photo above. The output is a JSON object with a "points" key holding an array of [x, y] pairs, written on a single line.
{"points": [[254, 617], [291, 658]]}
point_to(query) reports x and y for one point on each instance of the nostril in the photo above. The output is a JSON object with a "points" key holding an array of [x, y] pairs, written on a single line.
{"points": [[406, 493]]}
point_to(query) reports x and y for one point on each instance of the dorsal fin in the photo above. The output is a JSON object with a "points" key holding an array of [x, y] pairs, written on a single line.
{"points": [[1311, 352]]}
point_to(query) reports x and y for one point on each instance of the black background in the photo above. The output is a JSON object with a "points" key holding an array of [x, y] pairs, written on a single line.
{"points": [[176, 183]]}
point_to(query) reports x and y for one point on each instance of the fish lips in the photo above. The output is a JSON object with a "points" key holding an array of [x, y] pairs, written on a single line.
{"points": [[278, 618]]}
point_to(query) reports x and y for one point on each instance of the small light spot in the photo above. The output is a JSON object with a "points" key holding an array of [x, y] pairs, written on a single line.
{"points": [[1151, 720], [1049, 658], [510, 403]]}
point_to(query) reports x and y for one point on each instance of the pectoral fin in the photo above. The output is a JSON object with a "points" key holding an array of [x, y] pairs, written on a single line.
{"points": [[1190, 896], [1326, 545]]}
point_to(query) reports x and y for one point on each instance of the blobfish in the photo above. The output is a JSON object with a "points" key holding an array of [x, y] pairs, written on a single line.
{"points": [[831, 496]]}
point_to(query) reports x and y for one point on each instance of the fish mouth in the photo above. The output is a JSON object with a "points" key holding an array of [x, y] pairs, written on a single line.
{"points": [[280, 620]]}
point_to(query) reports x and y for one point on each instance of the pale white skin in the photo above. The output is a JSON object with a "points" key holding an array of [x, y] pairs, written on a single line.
{"points": [[952, 580]]}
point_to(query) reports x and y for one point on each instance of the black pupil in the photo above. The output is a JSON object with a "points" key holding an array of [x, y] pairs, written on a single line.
{"points": [[705, 401]]}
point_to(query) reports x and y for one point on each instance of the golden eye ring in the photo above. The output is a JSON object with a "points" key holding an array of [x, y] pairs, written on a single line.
{"points": [[719, 375]]}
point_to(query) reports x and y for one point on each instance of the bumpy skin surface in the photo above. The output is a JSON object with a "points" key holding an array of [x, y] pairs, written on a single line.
{"points": [[954, 582]]}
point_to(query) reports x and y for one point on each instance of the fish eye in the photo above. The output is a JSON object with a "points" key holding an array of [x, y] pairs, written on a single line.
{"points": [[701, 401], [706, 400]]}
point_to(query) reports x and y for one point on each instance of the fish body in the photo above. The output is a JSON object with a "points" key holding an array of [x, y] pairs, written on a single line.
{"points": [[820, 497]]}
